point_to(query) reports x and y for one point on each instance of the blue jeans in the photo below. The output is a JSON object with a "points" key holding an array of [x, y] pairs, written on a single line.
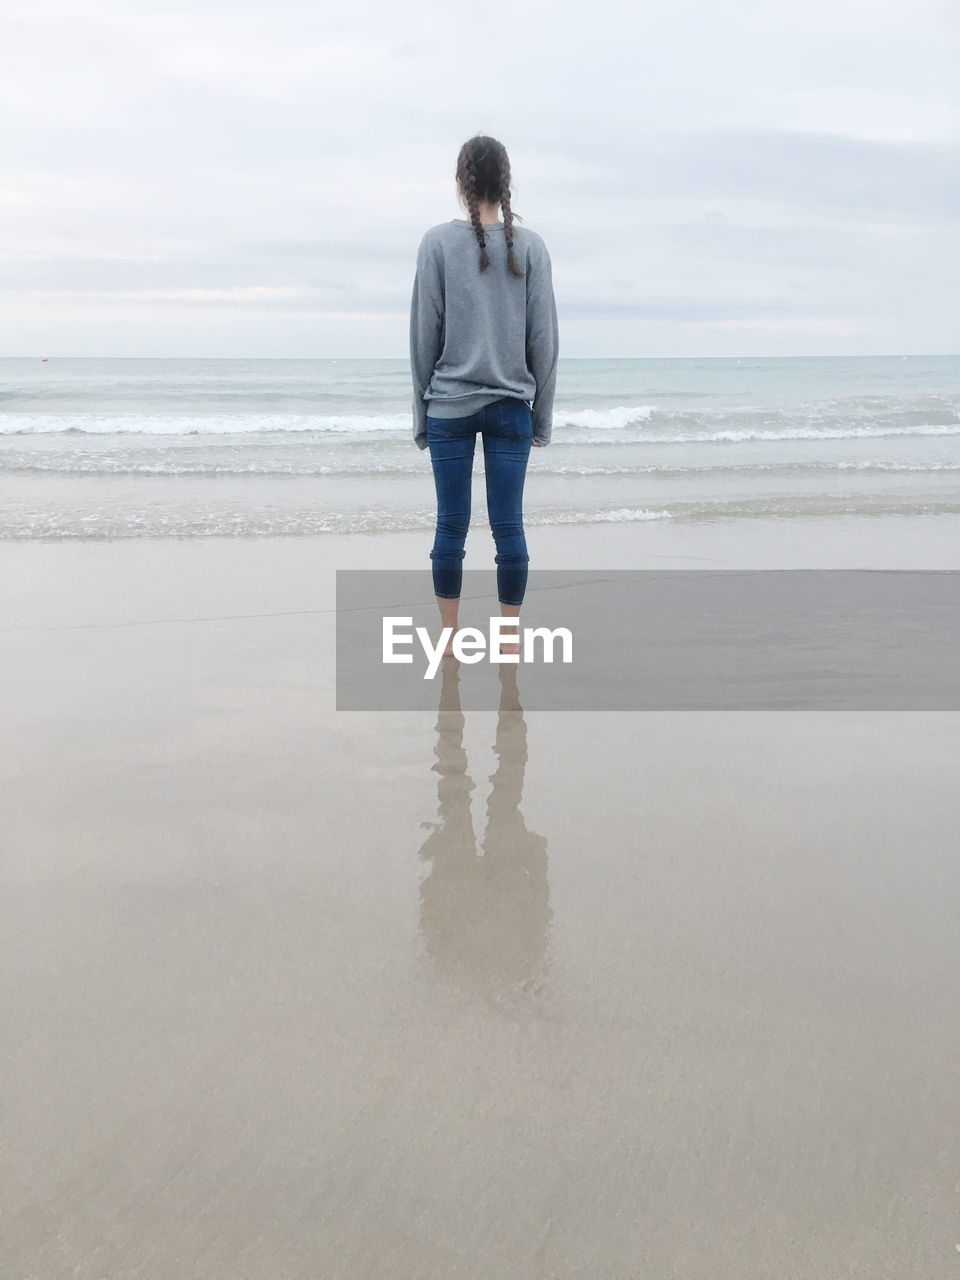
{"points": [[507, 429]]}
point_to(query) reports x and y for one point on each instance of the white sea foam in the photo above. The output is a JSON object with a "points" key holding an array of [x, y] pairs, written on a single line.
{"points": [[97, 522], [252, 520], [211, 424], [605, 419], [588, 427], [172, 424], [164, 461], [617, 516], [747, 435], [819, 433]]}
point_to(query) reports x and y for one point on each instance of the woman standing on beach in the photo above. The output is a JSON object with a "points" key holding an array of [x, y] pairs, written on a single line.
{"points": [[483, 352]]}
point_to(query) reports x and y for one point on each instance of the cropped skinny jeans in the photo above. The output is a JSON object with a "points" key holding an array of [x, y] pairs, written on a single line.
{"points": [[506, 427]]}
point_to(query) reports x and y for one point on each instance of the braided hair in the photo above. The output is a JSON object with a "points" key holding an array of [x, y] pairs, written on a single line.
{"points": [[483, 172]]}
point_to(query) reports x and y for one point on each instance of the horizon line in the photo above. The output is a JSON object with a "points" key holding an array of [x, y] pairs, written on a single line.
{"points": [[858, 355]]}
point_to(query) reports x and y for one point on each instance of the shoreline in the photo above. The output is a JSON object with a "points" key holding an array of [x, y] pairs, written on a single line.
{"points": [[298, 572]]}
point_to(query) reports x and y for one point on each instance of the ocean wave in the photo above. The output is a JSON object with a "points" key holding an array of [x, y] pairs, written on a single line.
{"points": [[618, 515], [71, 522], [747, 435], [172, 464], [621, 425], [819, 433], [605, 419], [200, 424], [173, 424], [396, 429]]}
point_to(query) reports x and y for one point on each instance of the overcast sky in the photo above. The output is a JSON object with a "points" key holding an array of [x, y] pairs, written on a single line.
{"points": [[222, 177]]}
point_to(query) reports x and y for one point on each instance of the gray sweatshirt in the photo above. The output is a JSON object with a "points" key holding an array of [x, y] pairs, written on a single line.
{"points": [[476, 337]]}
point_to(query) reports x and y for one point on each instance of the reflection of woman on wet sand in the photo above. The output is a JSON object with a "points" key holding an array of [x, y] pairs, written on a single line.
{"points": [[484, 915]]}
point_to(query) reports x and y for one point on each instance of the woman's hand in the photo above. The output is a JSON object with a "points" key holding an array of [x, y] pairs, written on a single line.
{"points": [[538, 444]]}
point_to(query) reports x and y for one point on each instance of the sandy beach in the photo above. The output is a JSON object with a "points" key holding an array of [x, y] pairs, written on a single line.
{"points": [[290, 992]]}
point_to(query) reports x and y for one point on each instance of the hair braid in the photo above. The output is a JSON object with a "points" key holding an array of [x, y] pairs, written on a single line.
{"points": [[483, 172], [473, 205], [512, 263]]}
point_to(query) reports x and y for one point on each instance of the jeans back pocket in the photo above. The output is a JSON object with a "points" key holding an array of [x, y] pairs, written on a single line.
{"points": [[516, 418]]}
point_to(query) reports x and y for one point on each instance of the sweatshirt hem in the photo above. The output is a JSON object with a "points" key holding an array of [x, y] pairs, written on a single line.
{"points": [[459, 406]]}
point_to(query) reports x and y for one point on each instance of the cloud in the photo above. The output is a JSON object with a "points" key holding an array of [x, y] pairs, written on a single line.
{"points": [[249, 170], [798, 171]]}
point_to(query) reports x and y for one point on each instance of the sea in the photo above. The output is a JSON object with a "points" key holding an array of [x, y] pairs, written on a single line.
{"points": [[193, 448]]}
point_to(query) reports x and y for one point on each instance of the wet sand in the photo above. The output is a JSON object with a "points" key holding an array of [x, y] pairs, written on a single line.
{"points": [[292, 993]]}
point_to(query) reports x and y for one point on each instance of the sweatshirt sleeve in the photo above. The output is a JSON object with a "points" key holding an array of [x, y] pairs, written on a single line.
{"points": [[543, 342], [426, 331]]}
